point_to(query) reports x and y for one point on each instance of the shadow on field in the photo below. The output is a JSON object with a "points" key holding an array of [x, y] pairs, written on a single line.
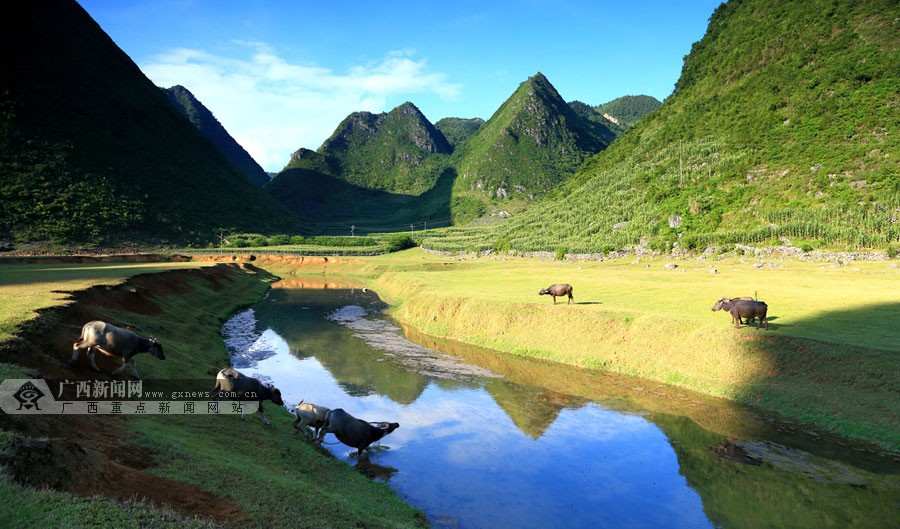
{"points": [[837, 369], [873, 326]]}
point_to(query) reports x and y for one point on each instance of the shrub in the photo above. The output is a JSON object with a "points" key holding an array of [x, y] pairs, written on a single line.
{"points": [[400, 242], [279, 240]]}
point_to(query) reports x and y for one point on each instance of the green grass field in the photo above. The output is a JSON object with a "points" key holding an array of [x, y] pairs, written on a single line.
{"points": [[829, 356]]}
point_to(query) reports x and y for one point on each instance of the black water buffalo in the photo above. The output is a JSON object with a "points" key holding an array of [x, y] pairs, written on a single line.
{"points": [[744, 308], [233, 384], [738, 298], [354, 432], [115, 341], [560, 289]]}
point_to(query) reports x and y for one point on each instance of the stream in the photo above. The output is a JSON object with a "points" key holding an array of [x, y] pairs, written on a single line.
{"points": [[487, 440]]}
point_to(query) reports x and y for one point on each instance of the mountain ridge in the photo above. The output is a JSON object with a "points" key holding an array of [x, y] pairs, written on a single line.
{"points": [[202, 118], [92, 151], [533, 142]]}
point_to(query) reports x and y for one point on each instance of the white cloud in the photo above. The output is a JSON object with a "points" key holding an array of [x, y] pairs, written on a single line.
{"points": [[272, 107]]}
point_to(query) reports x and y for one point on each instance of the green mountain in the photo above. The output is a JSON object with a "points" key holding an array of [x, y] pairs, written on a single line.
{"points": [[92, 151], [204, 120], [628, 110], [458, 130], [376, 173], [393, 151], [533, 142], [782, 130], [393, 170]]}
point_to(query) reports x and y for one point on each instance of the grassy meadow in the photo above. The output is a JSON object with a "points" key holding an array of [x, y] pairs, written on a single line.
{"points": [[829, 356]]}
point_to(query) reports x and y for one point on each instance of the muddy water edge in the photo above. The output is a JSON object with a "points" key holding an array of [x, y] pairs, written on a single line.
{"points": [[491, 440]]}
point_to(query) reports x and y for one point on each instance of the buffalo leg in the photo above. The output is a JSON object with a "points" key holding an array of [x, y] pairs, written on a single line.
{"points": [[127, 363], [90, 354], [262, 415], [75, 352]]}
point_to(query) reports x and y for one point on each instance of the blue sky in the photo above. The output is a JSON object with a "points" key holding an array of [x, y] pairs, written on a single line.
{"points": [[282, 74]]}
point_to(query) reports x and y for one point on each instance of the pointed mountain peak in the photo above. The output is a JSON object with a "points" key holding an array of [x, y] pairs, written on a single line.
{"points": [[540, 84], [409, 108], [530, 144], [539, 79], [386, 151], [178, 89]]}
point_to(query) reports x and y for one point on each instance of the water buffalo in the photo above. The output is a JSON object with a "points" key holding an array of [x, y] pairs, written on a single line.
{"points": [[560, 289], [112, 340], [738, 298], [233, 384], [744, 308], [354, 432], [309, 414]]}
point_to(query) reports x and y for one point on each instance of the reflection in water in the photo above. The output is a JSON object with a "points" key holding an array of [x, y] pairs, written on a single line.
{"points": [[381, 334], [733, 451], [489, 440]]}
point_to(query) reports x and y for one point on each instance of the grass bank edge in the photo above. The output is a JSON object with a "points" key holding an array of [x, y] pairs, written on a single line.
{"points": [[847, 388]]}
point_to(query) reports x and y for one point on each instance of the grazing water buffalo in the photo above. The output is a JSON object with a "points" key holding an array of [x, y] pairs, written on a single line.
{"points": [[112, 340], [560, 289], [354, 432], [738, 298], [233, 384], [744, 308], [309, 414]]}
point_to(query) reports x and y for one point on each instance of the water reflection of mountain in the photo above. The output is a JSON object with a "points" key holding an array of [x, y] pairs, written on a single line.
{"points": [[299, 317], [532, 409], [804, 480]]}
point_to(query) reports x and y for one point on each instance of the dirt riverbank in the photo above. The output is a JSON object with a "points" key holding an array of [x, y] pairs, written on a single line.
{"points": [[90, 455]]}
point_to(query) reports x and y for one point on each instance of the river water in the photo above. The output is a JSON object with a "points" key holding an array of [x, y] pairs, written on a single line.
{"points": [[487, 440]]}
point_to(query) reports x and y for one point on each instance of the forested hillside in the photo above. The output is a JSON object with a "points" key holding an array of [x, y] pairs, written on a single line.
{"points": [[783, 129], [458, 130], [533, 142], [91, 151], [392, 151], [628, 110]]}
